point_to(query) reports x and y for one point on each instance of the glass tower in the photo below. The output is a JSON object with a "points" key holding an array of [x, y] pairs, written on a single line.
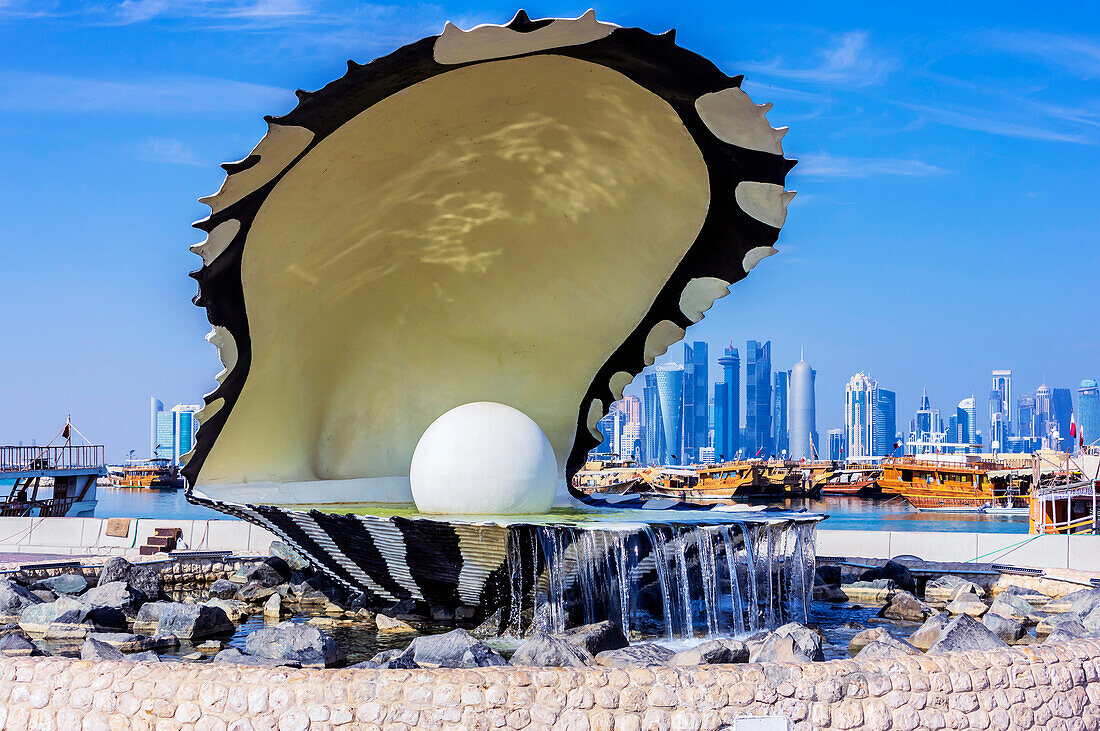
{"points": [[654, 428], [803, 412], [670, 395], [1088, 404], [696, 388], [727, 430], [780, 406], [758, 399]]}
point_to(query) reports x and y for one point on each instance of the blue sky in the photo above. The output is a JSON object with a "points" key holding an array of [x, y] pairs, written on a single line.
{"points": [[946, 221]]}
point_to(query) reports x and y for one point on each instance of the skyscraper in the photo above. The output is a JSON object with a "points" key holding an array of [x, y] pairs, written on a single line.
{"points": [[922, 421], [884, 422], [1025, 416], [696, 388], [803, 412], [727, 420], [1000, 402], [185, 425], [780, 413], [156, 406], [1042, 412], [654, 425], [859, 398], [967, 416], [172, 433], [1088, 404], [758, 401], [670, 394], [1061, 406], [836, 444]]}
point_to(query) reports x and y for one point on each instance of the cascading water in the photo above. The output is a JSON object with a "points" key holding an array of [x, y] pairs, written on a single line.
{"points": [[677, 580]]}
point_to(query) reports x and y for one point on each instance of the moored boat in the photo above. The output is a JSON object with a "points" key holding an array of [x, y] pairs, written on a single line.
{"points": [[57, 480], [963, 483], [155, 474]]}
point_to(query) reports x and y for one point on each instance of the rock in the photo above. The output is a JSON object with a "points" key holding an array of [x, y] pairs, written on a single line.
{"points": [[805, 643], [947, 587], [114, 594], [1060, 636], [1091, 622], [14, 598], [543, 651], [904, 606], [644, 654], [254, 591], [1016, 609], [147, 617], [1007, 629], [490, 627], [389, 624], [886, 646], [146, 656], [71, 584], [595, 638], [443, 615], [1035, 599], [294, 560], [235, 609], [1068, 624], [454, 649], [877, 591], [126, 642], [98, 651], [1080, 602], [213, 646], [300, 584], [188, 621], [928, 632], [38, 617], [829, 575], [894, 571], [44, 594], [829, 594], [965, 633], [967, 604], [303, 644], [864, 638], [233, 656], [223, 589], [67, 627], [712, 652], [16, 645], [406, 609], [391, 660], [273, 607], [143, 579], [270, 572], [105, 618]]}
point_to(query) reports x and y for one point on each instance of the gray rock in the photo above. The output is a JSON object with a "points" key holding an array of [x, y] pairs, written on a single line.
{"points": [[235, 609], [114, 594], [543, 651], [255, 591], [273, 607], [929, 632], [454, 649], [1035, 599], [394, 660], [127, 643], [490, 627], [712, 652], [16, 645], [864, 638], [63, 584], [804, 645], [1068, 624], [886, 646], [294, 560], [1060, 636], [143, 579], [15, 598], [148, 616], [38, 617], [894, 571], [828, 575], [300, 643], [647, 653], [1091, 622], [595, 638], [830, 594], [905, 606], [233, 656], [1016, 608], [1080, 602], [880, 584], [390, 625], [223, 589], [270, 572], [965, 633], [967, 604], [188, 621], [145, 656], [947, 587], [1007, 629], [99, 651], [45, 595]]}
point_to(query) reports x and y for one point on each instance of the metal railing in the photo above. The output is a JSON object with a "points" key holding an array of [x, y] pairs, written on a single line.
{"points": [[23, 459], [49, 508]]}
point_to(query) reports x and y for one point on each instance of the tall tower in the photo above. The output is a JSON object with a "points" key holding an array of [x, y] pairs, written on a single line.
{"points": [[884, 421], [156, 406], [729, 426], [803, 411], [1088, 404], [780, 406], [967, 415], [670, 394], [696, 387], [1000, 402], [654, 426], [758, 398], [859, 399], [1061, 406]]}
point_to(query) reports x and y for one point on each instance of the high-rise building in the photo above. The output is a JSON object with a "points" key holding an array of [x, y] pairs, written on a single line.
{"points": [[758, 398], [836, 444], [922, 421], [1000, 402], [654, 425], [884, 420], [156, 406], [967, 417], [727, 407], [859, 399], [803, 412], [186, 426], [780, 413], [1042, 412], [1025, 416], [696, 388], [1061, 408], [172, 433], [670, 394], [1088, 407], [610, 427]]}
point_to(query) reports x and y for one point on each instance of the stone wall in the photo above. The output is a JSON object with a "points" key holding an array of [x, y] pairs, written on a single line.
{"points": [[1054, 687]]}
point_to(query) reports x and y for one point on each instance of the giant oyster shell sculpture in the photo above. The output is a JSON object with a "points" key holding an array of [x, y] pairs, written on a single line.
{"points": [[527, 214]]}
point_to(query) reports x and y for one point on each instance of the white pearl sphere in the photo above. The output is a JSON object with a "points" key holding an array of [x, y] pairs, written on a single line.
{"points": [[483, 458]]}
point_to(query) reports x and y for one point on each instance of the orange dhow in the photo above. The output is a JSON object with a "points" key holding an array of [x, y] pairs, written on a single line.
{"points": [[966, 484]]}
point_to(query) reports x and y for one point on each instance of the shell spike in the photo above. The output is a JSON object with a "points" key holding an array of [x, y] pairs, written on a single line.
{"points": [[520, 20], [669, 36]]}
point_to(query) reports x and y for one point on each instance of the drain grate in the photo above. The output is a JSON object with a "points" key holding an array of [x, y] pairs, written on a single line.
{"points": [[1017, 570]]}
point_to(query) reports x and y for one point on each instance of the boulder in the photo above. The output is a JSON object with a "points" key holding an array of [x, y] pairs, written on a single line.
{"points": [[904, 606], [115, 595], [223, 589], [1007, 629], [543, 651], [864, 638], [1068, 624], [1060, 636], [270, 572], [947, 587], [147, 617], [233, 656], [67, 627], [45, 595], [105, 618], [16, 645], [255, 591], [273, 607], [99, 651], [1017, 609], [394, 660], [303, 644], [188, 621], [127, 643], [235, 609], [830, 594], [967, 604], [294, 560], [928, 632], [805, 645], [1035, 599], [454, 649], [71, 584], [143, 579], [391, 625], [15, 598], [38, 617], [829, 575], [1080, 602], [645, 654], [886, 646], [595, 638], [712, 652], [490, 627], [894, 571], [1091, 621], [145, 656], [965, 633], [877, 591]]}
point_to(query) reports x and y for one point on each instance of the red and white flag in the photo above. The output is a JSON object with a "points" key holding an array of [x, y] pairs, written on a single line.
{"points": [[1072, 426]]}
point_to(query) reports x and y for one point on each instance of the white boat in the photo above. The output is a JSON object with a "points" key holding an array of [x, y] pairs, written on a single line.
{"points": [[57, 480]]}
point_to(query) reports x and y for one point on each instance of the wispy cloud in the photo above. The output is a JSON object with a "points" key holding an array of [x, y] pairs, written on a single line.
{"points": [[1077, 54], [824, 165], [849, 59], [35, 92], [992, 123], [164, 149], [138, 11]]}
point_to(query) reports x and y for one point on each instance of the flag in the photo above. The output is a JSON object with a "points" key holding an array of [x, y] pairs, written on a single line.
{"points": [[1072, 425], [759, 451]]}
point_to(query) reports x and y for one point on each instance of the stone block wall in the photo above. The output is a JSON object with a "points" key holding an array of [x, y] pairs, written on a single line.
{"points": [[1052, 687]]}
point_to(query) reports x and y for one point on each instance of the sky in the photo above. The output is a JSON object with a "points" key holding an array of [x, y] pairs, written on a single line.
{"points": [[946, 220]]}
